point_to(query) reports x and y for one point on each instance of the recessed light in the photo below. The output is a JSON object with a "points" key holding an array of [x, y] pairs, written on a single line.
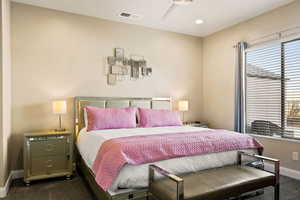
{"points": [[199, 21]]}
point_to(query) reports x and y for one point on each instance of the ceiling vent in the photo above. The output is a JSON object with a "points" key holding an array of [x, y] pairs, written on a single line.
{"points": [[130, 16], [124, 14]]}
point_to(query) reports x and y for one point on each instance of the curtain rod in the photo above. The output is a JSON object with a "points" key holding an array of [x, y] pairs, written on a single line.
{"points": [[279, 35]]}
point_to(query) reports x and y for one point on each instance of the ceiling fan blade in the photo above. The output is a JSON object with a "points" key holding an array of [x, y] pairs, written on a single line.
{"points": [[169, 10]]}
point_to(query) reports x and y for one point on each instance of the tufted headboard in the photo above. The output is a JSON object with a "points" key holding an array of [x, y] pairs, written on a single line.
{"points": [[115, 102]]}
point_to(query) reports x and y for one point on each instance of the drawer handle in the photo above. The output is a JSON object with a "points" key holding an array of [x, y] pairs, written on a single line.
{"points": [[49, 166]]}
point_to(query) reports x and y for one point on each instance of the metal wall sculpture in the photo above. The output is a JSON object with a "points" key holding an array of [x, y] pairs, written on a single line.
{"points": [[121, 68]]}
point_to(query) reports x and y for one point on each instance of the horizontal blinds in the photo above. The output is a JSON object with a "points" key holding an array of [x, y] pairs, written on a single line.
{"points": [[273, 90], [264, 90], [292, 88]]}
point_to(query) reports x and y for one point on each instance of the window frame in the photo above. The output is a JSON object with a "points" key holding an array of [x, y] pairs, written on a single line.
{"points": [[282, 43]]}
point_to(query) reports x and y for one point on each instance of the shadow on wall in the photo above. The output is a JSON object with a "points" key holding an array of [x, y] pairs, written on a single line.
{"points": [[16, 152]]}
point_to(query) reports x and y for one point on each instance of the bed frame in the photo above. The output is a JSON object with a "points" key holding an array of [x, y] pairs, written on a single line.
{"points": [[112, 102]]}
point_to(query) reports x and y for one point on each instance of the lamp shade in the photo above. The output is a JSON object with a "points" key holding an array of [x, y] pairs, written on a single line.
{"points": [[59, 107], [183, 105]]}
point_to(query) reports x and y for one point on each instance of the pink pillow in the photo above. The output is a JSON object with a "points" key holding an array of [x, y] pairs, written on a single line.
{"points": [[110, 118], [153, 118]]}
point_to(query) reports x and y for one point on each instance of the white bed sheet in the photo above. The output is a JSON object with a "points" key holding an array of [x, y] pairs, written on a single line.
{"points": [[136, 176]]}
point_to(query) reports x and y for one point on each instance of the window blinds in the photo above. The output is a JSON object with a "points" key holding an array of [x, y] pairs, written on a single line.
{"points": [[273, 90], [291, 61]]}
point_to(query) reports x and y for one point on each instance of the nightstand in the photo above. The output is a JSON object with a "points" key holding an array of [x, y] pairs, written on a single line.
{"points": [[47, 154], [197, 124]]}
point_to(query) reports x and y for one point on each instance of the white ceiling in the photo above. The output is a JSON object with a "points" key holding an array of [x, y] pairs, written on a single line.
{"points": [[217, 14]]}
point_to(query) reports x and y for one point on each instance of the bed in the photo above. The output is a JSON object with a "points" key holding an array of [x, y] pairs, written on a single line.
{"points": [[131, 182]]}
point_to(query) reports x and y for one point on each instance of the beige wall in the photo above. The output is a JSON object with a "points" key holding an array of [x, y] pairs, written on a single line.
{"points": [[5, 91], [2, 176], [282, 149], [218, 72], [61, 55]]}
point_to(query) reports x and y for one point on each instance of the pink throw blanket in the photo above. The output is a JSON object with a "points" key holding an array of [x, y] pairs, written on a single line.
{"points": [[135, 150]]}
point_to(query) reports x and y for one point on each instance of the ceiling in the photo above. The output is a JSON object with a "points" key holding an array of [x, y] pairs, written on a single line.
{"points": [[217, 14]]}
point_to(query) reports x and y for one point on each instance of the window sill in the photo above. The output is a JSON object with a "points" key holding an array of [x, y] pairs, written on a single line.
{"points": [[276, 138]]}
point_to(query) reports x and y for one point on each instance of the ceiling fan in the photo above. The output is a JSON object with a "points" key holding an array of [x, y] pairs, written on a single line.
{"points": [[174, 4]]}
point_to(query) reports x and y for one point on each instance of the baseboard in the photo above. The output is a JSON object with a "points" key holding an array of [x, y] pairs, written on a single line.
{"points": [[5, 188], [15, 174], [284, 171]]}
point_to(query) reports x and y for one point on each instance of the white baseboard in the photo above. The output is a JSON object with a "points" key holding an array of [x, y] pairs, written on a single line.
{"points": [[284, 171], [5, 188], [15, 174]]}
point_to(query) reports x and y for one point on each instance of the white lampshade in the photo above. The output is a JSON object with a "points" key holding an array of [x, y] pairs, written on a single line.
{"points": [[59, 107], [183, 105]]}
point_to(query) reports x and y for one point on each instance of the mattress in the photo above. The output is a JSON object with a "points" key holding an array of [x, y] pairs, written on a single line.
{"points": [[136, 176]]}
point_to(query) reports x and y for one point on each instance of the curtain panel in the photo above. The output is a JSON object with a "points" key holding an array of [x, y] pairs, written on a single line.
{"points": [[240, 88]]}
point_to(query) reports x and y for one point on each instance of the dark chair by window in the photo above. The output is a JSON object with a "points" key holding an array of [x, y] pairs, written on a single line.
{"points": [[262, 127]]}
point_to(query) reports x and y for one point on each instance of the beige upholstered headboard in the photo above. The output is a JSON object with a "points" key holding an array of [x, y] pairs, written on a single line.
{"points": [[115, 102]]}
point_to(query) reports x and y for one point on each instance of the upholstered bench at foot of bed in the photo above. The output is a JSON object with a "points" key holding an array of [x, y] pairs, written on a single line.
{"points": [[213, 184]]}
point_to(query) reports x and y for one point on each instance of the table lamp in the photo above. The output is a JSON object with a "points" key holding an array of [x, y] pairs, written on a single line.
{"points": [[183, 106], [59, 107]]}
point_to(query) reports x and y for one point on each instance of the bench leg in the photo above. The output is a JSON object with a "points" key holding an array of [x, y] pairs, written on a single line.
{"points": [[276, 192]]}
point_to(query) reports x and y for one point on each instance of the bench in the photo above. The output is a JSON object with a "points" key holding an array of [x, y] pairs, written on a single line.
{"points": [[214, 184]]}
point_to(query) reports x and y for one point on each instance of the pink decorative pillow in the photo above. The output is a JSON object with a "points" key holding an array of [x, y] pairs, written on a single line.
{"points": [[110, 118], [153, 118]]}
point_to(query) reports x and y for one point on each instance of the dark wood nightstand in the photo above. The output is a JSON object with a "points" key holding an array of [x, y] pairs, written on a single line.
{"points": [[47, 154]]}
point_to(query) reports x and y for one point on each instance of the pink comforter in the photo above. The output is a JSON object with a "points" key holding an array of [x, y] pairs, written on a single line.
{"points": [[115, 153]]}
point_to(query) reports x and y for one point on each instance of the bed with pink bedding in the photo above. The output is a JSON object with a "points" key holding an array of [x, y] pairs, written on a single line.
{"points": [[119, 158], [115, 152]]}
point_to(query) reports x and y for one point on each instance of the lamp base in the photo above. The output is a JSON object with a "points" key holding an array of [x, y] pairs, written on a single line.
{"points": [[60, 129]]}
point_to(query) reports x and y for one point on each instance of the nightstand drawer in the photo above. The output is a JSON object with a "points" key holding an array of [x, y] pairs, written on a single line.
{"points": [[48, 165], [48, 147]]}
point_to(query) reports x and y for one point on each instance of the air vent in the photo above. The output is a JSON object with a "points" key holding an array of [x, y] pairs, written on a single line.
{"points": [[130, 16], [123, 14]]}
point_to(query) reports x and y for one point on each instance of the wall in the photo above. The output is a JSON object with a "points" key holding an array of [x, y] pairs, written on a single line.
{"points": [[219, 71], [2, 176], [5, 90], [58, 55]]}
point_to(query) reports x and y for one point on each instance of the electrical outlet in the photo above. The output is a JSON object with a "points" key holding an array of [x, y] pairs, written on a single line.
{"points": [[295, 156]]}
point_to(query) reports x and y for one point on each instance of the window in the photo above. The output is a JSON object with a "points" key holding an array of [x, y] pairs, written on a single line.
{"points": [[273, 90]]}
